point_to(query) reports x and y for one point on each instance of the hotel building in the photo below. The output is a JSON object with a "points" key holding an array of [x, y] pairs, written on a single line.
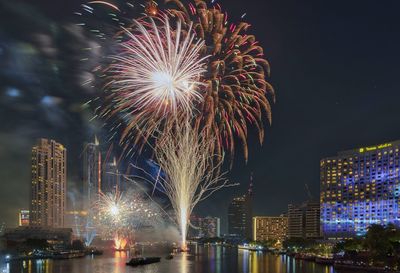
{"points": [[266, 228], [360, 187], [49, 184]]}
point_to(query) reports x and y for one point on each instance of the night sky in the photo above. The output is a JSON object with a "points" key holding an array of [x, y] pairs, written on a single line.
{"points": [[334, 67]]}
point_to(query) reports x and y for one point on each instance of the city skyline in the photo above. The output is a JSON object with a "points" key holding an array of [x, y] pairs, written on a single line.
{"points": [[228, 136], [332, 96]]}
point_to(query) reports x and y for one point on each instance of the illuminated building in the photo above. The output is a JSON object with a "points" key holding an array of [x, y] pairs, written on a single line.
{"points": [[195, 226], [304, 220], [56, 237], [240, 215], [111, 178], [49, 184], [210, 227], [204, 227], [266, 228], [360, 187], [91, 174], [23, 218]]}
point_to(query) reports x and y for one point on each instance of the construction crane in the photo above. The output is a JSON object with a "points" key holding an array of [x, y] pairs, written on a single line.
{"points": [[310, 197]]}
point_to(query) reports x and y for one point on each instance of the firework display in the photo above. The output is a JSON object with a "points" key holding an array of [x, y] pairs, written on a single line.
{"points": [[235, 93], [120, 215], [181, 75], [191, 172], [154, 76]]}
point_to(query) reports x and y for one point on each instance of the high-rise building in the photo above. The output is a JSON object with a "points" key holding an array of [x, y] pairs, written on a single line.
{"points": [[195, 227], [210, 227], [49, 184], [304, 220], [240, 215], [91, 174], [23, 218], [111, 177], [360, 187], [266, 228]]}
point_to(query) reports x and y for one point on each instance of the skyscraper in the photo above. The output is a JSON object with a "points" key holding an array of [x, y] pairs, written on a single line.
{"points": [[91, 174], [304, 220], [240, 215], [360, 187], [49, 184], [210, 227], [111, 178]]}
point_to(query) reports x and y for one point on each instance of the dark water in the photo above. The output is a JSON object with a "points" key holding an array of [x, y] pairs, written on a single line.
{"points": [[213, 259]]}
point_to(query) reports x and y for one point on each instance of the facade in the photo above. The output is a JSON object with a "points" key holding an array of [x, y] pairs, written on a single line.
{"points": [[23, 218], [240, 216], [91, 174], [304, 220], [111, 179], [210, 227], [360, 187], [49, 184], [270, 228], [204, 227], [195, 226]]}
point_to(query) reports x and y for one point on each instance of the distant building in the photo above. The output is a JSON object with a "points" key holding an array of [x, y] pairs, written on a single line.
{"points": [[49, 184], [240, 215], [204, 227], [195, 227], [270, 228], [78, 221], [55, 236], [23, 218], [304, 220], [91, 174], [111, 177], [360, 187], [210, 227]]}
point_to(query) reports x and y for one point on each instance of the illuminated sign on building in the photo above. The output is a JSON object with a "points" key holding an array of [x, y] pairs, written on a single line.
{"points": [[373, 148]]}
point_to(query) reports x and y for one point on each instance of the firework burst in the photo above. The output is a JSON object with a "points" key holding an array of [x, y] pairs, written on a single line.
{"points": [[154, 77], [120, 215], [235, 89]]}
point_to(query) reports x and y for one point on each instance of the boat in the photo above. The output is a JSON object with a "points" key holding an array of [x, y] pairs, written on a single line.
{"points": [[143, 261], [325, 260], [68, 255], [251, 247]]}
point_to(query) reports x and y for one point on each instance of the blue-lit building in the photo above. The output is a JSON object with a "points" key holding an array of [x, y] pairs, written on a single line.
{"points": [[360, 187]]}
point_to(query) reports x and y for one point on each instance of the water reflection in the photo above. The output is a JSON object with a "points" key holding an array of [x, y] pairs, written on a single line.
{"points": [[216, 259]]}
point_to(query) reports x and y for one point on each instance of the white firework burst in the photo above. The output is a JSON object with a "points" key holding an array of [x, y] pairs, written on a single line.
{"points": [[157, 70]]}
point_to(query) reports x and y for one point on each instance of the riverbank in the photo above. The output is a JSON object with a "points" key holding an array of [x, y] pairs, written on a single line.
{"points": [[55, 255]]}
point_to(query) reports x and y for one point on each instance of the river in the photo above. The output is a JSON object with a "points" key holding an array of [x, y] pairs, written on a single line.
{"points": [[207, 259]]}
